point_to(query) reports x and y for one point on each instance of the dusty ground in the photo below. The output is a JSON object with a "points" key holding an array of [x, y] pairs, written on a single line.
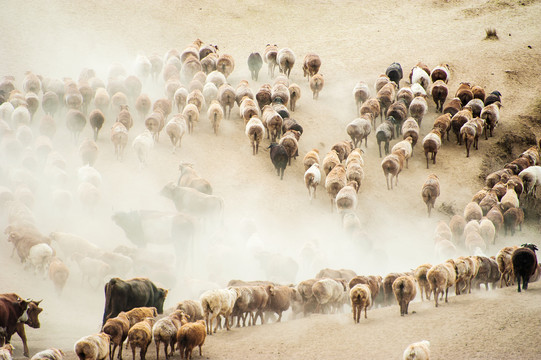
{"points": [[356, 42]]}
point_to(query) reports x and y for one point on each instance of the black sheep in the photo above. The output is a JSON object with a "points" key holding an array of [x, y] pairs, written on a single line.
{"points": [[493, 97], [279, 158], [524, 264], [394, 72]]}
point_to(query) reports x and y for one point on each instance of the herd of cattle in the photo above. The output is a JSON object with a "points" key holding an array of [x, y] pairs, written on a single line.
{"points": [[195, 80]]}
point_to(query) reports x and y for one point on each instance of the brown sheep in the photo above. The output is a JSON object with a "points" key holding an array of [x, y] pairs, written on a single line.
{"points": [[457, 224], [311, 65], [311, 158], [512, 218], [505, 266], [140, 336], [443, 123], [386, 97], [496, 216], [264, 95], [343, 149], [388, 286], [470, 135], [453, 106], [431, 144], [439, 94], [491, 115], [289, 142], [374, 284], [404, 290], [392, 165], [441, 277], [189, 336], [371, 106], [361, 298], [165, 331], [458, 120], [138, 314], [272, 122], [430, 191], [420, 276], [487, 272], [192, 309], [336, 179], [330, 161], [465, 270], [227, 97], [464, 93], [117, 328], [410, 128], [96, 119], [381, 81], [280, 299], [294, 95], [316, 84], [58, 273], [399, 111]]}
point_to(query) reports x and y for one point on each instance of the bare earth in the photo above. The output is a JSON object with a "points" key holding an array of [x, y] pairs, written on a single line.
{"points": [[356, 41]]}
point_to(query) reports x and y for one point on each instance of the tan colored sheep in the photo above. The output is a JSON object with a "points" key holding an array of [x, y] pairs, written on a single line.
{"points": [[404, 290], [361, 298]]}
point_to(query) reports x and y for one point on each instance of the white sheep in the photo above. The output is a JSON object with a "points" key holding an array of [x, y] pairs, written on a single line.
{"points": [[39, 257], [69, 244], [175, 129], [346, 199], [248, 108], [330, 294], [406, 146], [180, 97], [217, 78], [418, 108], [93, 347], [285, 59], [361, 93], [21, 116], [255, 131], [418, 90], [89, 174], [419, 76], [49, 354], [219, 302], [119, 138], [487, 231], [418, 351], [210, 92], [531, 179], [143, 144], [312, 178], [359, 129]]}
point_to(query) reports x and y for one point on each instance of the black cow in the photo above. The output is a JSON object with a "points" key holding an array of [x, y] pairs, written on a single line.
{"points": [[124, 295]]}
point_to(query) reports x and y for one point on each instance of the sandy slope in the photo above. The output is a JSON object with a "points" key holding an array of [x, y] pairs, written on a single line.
{"points": [[356, 42]]}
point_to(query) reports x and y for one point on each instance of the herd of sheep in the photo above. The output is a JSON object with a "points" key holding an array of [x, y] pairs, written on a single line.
{"points": [[196, 81]]}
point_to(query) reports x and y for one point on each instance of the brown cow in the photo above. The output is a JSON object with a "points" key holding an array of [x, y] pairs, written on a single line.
{"points": [[33, 321], [12, 310]]}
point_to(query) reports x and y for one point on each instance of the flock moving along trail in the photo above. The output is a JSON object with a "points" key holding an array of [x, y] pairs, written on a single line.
{"points": [[193, 82]]}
